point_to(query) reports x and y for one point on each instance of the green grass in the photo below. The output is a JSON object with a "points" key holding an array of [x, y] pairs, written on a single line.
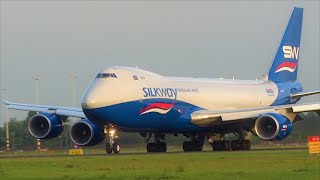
{"points": [[276, 164]]}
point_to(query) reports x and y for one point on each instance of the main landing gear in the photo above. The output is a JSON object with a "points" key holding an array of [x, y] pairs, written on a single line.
{"points": [[112, 145], [196, 143], [223, 145], [157, 146]]}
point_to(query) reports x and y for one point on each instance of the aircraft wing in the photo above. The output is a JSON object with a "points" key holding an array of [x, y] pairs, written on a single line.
{"points": [[210, 117], [58, 110]]}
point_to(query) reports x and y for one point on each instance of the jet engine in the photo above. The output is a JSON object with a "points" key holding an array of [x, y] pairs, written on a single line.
{"points": [[272, 126], [85, 133], [45, 126]]}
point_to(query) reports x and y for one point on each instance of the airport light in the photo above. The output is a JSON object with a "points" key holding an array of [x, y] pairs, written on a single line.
{"points": [[36, 80], [7, 123]]}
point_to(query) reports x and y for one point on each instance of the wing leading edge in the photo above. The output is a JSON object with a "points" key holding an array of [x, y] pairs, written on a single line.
{"points": [[58, 110], [207, 118]]}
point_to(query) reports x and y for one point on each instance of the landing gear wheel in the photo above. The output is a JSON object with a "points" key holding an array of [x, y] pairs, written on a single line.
{"points": [[151, 147], [157, 147], [220, 145], [108, 148], [192, 146], [187, 146], [240, 145], [235, 145], [116, 148], [163, 147], [245, 145], [197, 146]]}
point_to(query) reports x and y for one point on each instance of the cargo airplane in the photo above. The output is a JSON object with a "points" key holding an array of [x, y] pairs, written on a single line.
{"points": [[134, 100]]}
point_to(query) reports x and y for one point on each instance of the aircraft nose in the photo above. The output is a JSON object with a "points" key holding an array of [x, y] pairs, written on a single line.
{"points": [[89, 100], [91, 97]]}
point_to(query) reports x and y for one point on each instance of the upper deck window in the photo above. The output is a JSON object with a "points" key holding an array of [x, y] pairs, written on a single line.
{"points": [[106, 75]]}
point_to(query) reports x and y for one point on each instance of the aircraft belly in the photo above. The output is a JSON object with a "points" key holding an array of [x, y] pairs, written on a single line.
{"points": [[131, 115]]}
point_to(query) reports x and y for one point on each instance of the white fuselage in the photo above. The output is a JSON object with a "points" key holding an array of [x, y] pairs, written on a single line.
{"points": [[134, 84]]}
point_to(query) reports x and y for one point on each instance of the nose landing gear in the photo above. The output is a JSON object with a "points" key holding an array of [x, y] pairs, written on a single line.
{"points": [[112, 145]]}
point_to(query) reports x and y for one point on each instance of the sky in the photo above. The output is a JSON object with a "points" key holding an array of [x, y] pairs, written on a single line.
{"points": [[52, 40]]}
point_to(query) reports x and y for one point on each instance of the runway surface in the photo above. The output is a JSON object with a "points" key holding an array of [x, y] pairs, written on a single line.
{"points": [[142, 153]]}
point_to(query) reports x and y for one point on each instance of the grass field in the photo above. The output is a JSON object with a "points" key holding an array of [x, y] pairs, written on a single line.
{"points": [[275, 164]]}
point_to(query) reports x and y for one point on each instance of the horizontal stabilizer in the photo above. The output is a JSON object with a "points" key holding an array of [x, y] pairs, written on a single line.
{"points": [[301, 94]]}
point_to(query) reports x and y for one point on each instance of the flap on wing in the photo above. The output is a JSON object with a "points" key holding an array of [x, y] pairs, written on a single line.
{"points": [[305, 107], [60, 111], [211, 117]]}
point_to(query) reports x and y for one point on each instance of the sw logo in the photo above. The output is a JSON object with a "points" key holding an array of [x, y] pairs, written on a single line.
{"points": [[290, 52]]}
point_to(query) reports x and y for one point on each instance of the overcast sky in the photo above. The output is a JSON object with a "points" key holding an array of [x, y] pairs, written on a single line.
{"points": [[51, 40]]}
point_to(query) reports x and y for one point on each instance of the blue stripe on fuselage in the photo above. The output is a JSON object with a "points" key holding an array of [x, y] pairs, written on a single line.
{"points": [[126, 116]]}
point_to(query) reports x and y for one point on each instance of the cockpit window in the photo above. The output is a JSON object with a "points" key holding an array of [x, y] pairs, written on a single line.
{"points": [[106, 75]]}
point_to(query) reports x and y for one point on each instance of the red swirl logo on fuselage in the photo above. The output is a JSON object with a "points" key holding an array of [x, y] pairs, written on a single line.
{"points": [[161, 108]]}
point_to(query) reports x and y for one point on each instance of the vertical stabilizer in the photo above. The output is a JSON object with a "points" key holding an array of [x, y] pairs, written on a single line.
{"points": [[285, 64]]}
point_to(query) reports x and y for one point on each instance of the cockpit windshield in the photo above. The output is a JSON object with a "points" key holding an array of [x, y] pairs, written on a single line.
{"points": [[106, 75]]}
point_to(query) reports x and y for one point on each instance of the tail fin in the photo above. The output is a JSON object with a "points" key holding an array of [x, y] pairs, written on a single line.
{"points": [[285, 64]]}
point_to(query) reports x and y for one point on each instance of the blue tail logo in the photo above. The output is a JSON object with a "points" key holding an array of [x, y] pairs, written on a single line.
{"points": [[289, 52], [285, 64]]}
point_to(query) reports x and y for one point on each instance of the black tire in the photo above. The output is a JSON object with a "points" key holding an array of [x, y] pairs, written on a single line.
{"points": [[163, 147], [228, 145], [192, 146], [108, 148], [157, 147], [235, 145], [245, 145], [218, 146], [150, 147], [187, 146], [197, 146], [116, 148]]}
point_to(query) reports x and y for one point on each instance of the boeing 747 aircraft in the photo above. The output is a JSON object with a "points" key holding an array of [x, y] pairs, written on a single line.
{"points": [[134, 100]]}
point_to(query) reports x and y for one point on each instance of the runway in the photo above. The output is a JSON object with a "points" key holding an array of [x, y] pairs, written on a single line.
{"points": [[145, 153]]}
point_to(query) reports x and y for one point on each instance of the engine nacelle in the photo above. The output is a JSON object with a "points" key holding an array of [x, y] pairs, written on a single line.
{"points": [[272, 126], [45, 126], [85, 133]]}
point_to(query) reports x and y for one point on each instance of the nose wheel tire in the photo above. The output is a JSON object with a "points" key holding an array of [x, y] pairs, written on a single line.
{"points": [[108, 148], [115, 147]]}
